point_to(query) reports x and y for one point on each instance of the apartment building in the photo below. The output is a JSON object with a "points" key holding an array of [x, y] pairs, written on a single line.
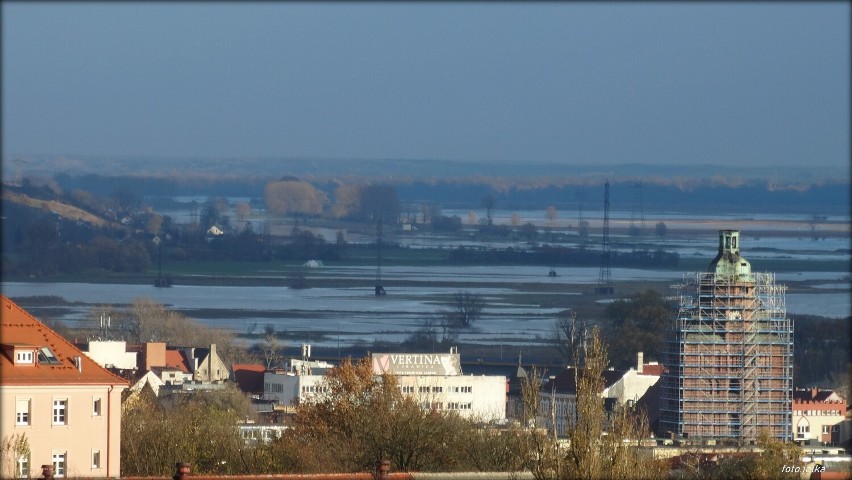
{"points": [[818, 415], [65, 405]]}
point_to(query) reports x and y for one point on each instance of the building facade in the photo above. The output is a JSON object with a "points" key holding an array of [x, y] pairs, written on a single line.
{"points": [[66, 406], [558, 404], [729, 358], [434, 381], [818, 415]]}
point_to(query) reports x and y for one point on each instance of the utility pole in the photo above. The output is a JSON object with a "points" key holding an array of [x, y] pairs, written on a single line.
{"points": [[553, 406], [380, 290], [159, 282]]}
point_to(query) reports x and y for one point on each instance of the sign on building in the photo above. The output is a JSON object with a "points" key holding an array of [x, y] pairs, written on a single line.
{"points": [[417, 363]]}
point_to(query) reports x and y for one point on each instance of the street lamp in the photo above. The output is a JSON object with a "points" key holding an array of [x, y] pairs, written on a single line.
{"points": [[160, 282], [553, 405]]}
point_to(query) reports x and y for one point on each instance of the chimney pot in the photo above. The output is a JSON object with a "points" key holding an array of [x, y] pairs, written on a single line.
{"points": [[182, 471]]}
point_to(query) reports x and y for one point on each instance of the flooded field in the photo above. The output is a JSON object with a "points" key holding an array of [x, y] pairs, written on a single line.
{"points": [[521, 302]]}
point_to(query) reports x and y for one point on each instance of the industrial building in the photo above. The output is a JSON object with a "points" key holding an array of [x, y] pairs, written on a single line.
{"points": [[729, 358]]}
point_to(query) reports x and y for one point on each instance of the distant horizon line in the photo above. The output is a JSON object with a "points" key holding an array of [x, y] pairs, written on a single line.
{"points": [[12, 157]]}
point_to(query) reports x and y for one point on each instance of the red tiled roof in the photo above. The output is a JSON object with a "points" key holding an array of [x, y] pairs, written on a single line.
{"points": [[652, 369], [17, 326], [175, 360], [249, 376]]}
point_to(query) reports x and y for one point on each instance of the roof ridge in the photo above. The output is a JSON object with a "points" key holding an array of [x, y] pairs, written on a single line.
{"points": [[8, 301]]}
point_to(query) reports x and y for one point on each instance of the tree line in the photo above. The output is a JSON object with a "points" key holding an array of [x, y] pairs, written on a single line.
{"points": [[361, 418], [561, 255]]}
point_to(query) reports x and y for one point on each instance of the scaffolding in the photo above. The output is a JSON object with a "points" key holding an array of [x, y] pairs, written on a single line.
{"points": [[729, 360]]}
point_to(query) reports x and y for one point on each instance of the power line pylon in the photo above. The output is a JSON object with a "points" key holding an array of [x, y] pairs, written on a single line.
{"points": [[380, 290], [605, 278]]}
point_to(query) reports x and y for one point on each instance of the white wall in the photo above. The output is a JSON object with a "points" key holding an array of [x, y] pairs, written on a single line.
{"points": [[631, 386], [485, 395], [112, 354]]}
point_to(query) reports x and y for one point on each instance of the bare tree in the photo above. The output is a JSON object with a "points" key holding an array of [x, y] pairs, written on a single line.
{"points": [[466, 308], [531, 396], [429, 211], [243, 210], [271, 349], [569, 335], [488, 203], [551, 214]]}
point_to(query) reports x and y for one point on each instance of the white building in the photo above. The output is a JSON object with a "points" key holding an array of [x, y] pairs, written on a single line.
{"points": [[435, 381], [111, 354], [559, 394], [818, 416]]}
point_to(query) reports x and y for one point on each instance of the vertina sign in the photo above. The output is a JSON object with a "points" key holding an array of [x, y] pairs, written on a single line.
{"points": [[417, 363]]}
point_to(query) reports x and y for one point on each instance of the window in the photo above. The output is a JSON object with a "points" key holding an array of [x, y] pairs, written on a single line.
{"points": [[424, 390], [437, 389], [96, 459], [23, 466], [96, 407], [22, 412], [46, 357], [60, 411], [804, 429], [59, 464], [825, 429], [24, 357]]}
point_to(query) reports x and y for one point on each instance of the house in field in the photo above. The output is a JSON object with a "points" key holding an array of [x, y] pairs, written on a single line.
{"points": [[56, 401]]}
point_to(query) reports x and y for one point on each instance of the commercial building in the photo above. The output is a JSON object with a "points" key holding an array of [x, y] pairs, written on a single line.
{"points": [[435, 381], [729, 358], [66, 406]]}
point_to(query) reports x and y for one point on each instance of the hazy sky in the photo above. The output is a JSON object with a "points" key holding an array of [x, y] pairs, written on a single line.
{"points": [[727, 83]]}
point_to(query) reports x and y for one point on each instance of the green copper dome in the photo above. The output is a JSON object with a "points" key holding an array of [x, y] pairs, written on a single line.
{"points": [[728, 263]]}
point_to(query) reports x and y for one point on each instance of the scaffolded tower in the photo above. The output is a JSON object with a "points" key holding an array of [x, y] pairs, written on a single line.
{"points": [[729, 359]]}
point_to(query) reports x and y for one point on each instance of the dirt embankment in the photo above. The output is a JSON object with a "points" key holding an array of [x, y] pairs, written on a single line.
{"points": [[64, 210]]}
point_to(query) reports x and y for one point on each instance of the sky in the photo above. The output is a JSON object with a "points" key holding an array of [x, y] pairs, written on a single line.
{"points": [[726, 83]]}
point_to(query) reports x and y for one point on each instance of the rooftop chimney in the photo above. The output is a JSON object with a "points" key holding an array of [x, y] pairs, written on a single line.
{"points": [[640, 360], [814, 391]]}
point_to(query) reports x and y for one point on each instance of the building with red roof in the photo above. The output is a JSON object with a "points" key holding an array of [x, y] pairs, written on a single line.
{"points": [[66, 406]]}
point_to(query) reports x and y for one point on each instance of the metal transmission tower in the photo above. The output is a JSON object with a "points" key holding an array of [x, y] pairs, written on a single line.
{"points": [[582, 225], [637, 203], [380, 290], [605, 279], [579, 206]]}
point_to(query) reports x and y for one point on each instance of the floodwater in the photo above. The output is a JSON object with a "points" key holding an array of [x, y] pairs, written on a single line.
{"points": [[351, 315], [354, 315]]}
